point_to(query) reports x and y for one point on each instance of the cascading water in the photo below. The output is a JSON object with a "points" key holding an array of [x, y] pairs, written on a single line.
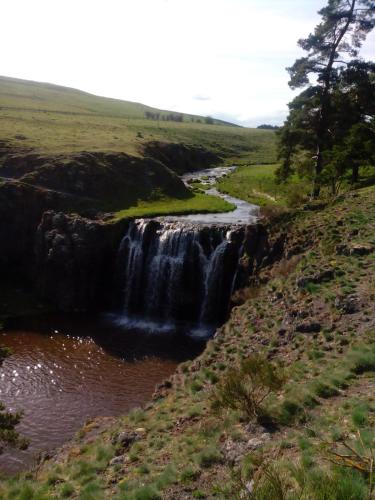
{"points": [[178, 272]]}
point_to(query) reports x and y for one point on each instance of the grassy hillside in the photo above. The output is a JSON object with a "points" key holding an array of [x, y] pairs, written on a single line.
{"points": [[313, 319], [53, 119]]}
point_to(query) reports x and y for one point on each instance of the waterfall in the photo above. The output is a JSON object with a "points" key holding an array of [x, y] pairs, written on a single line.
{"points": [[178, 272]]}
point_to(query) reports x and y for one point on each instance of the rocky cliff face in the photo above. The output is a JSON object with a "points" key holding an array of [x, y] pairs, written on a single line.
{"points": [[21, 208], [75, 261], [86, 183]]}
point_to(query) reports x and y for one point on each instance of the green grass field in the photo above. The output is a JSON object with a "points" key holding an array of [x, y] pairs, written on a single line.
{"points": [[256, 184], [197, 204], [53, 119]]}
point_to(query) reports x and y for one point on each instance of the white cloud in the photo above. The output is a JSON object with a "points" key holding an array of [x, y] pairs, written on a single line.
{"points": [[163, 53]]}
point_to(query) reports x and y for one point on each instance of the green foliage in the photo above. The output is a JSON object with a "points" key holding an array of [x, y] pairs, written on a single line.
{"points": [[189, 474], [289, 411], [328, 129], [209, 457], [362, 361], [248, 387], [257, 184], [324, 390], [196, 386], [67, 490], [360, 416]]}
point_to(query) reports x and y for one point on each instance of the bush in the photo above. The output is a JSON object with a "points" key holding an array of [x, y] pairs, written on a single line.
{"points": [[295, 197], [146, 493], [189, 474], [363, 362], [289, 411], [209, 457], [248, 387], [67, 490], [360, 416], [324, 390]]}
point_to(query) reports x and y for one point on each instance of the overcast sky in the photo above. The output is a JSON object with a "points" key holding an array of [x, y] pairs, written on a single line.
{"points": [[224, 58]]}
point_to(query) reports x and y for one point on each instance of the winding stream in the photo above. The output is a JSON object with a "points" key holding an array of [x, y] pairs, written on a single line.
{"points": [[244, 213]]}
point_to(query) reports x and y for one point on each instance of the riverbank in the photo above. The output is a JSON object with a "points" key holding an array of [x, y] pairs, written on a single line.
{"points": [[257, 184], [313, 313]]}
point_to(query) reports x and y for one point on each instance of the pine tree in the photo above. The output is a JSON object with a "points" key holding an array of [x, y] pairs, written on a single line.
{"points": [[339, 36]]}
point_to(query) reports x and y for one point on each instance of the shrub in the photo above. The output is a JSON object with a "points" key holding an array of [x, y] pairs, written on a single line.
{"points": [[137, 415], [272, 212], [247, 387], [289, 411], [360, 416], [189, 474], [196, 386], [67, 490], [209, 457], [324, 390], [146, 493], [295, 198], [363, 362], [167, 477]]}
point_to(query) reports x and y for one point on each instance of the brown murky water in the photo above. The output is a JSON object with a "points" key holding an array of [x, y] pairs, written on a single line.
{"points": [[64, 371]]}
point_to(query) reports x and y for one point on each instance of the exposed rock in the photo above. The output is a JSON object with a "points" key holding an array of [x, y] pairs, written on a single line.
{"points": [[348, 305], [362, 249], [141, 431], [342, 249], [308, 327], [117, 460], [266, 436], [255, 443], [75, 260], [250, 486], [234, 450], [126, 439], [315, 206], [21, 208], [167, 384], [324, 275], [359, 249]]}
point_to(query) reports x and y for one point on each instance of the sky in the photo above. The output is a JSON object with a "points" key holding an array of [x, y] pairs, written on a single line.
{"points": [[223, 58]]}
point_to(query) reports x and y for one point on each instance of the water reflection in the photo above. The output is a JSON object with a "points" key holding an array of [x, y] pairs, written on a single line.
{"points": [[66, 370]]}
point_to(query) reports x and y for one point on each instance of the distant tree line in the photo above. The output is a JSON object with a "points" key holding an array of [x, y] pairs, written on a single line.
{"points": [[330, 130], [176, 117], [265, 126], [171, 117]]}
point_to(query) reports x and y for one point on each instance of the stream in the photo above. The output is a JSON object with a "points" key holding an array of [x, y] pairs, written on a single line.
{"points": [[244, 213]]}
